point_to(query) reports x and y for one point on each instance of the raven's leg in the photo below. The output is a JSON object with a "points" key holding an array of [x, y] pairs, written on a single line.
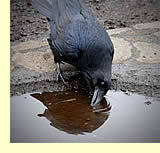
{"points": [[57, 59], [59, 73]]}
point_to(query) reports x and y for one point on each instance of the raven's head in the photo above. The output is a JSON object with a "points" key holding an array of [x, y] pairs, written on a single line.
{"points": [[99, 81], [101, 88], [98, 73]]}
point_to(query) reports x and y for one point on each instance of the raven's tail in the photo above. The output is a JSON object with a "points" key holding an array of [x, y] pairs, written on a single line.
{"points": [[44, 7]]}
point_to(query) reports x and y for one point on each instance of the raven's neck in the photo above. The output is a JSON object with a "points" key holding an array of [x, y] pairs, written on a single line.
{"points": [[66, 7]]}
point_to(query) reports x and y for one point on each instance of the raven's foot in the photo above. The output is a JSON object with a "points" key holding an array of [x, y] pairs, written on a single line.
{"points": [[59, 75]]}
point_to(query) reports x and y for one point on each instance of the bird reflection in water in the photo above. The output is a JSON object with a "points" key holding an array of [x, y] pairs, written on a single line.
{"points": [[70, 111]]}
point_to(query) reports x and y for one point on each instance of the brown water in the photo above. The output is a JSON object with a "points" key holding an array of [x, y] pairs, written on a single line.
{"points": [[68, 117]]}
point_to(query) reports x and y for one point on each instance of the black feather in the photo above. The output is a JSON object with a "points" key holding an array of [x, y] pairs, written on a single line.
{"points": [[78, 38]]}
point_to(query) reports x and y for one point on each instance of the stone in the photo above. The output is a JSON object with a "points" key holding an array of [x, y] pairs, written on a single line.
{"points": [[122, 50], [118, 31], [35, 61], [157, 34], [153, 25], [150, 51], [12, 68], [29, 45]]}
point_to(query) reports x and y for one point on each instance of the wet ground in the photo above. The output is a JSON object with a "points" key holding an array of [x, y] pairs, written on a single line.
{"points": [[68, 117], [26, 23]]}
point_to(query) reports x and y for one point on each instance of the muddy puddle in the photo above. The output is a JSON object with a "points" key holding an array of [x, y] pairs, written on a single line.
{"points": [[68, 117]]}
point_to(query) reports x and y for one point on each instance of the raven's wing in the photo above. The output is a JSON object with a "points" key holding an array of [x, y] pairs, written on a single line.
{"points": [[60, 13], [74, 29], [84, 36]]}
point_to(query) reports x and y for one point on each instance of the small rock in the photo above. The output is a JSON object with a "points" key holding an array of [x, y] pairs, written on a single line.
{"points": [[40, 115], [148, 103], [97, 1], [23, 34], [29, 21], [123, 90], [136, 15], [97, 8], [48, 104], [88, 119], [29, 4]]}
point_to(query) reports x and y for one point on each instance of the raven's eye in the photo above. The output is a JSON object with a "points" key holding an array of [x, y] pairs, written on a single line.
{"points": [[102, 83]]}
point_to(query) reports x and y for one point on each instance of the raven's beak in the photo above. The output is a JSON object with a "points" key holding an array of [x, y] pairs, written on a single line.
{"points": [[97, 96]]}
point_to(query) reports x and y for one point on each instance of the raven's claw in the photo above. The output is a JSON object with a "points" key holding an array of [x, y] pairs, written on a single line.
{"points": [[59, 75]]}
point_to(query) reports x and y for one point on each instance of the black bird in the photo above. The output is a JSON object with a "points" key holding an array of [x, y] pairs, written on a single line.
{"points": [[79, 39]]}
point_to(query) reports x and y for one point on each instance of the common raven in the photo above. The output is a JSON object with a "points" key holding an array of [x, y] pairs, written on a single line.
{"points": [[79, 39]]}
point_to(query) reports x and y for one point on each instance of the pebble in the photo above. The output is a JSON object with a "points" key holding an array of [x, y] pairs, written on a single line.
{"points": [[148, 103], [88, 119], [23, 34]]}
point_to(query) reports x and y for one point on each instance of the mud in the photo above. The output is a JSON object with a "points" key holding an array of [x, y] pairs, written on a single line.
{"points": [[67, 117], [76, 82], [26, 23]]}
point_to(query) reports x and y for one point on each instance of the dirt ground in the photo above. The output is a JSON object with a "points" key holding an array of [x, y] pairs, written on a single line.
{"points": [[26, 23]]}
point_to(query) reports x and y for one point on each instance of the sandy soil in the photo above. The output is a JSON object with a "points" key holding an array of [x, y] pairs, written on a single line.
{"points": [[26, 23]]}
